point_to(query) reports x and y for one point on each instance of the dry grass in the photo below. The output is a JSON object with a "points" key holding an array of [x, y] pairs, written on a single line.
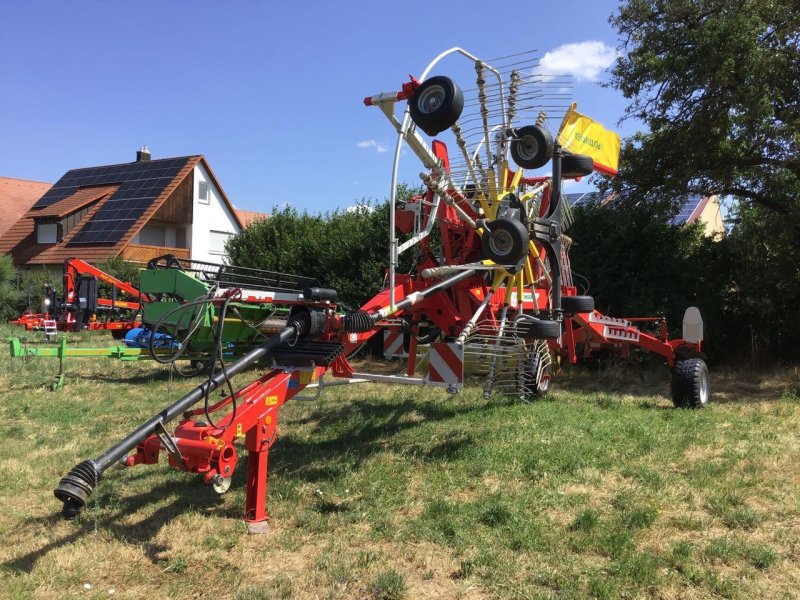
{"points": [[384, 492]]}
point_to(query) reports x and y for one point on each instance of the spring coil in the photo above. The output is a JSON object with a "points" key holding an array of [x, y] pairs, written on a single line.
{"points": [[358, 322]]}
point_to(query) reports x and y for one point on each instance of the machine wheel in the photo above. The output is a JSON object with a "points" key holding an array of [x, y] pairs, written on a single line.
{"points": [[506, 242], [576, 165], [436, 104], [536, 384], [119, 334], [195, 368], [690, 387], [577, 304], [531, 147], [539, 329]]}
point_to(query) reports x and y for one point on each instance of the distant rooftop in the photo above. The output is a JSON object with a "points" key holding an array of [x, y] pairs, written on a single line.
{"points": [[690, 210], [16, 198]]}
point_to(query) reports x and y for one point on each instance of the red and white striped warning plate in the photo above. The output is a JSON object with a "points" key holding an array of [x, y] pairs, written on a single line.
{"points": [[446, 365], [393, 344]]}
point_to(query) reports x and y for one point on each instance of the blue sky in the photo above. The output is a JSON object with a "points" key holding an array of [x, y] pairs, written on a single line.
{"points": [[271, 93]]}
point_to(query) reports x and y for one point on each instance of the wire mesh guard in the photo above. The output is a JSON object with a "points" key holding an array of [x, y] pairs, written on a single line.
{"points": [[511, 365], [230, 276], [517, 91]]}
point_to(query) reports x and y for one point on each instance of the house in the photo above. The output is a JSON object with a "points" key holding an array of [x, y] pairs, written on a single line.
{"points": [[695, 208], [705, 210], [16, 198], [137, 210], [248, 217]]}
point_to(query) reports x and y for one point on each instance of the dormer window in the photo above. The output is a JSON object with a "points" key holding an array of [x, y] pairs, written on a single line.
{"points": [[47, 233]]}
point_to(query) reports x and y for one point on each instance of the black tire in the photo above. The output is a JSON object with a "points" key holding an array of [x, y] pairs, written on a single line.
{"points": [[690, 387], [119, 334], [539, 329], [195, 368], [531, 147], [535, 386], [577, 304], [576, 165], [506, 242], [436, 104]]}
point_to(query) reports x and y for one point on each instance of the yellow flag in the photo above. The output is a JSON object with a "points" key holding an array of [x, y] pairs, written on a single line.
{"points": [[581, 135]]}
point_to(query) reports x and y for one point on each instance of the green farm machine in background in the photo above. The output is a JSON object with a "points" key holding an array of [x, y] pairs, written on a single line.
{"points": [[199, 311]]}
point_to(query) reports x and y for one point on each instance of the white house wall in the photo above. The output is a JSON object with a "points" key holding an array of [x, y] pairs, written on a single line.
{"points": [[214, 216]]}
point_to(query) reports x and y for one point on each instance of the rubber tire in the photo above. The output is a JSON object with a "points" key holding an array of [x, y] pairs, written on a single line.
{"points": [[531, 367], [690, 385], [119, 334], [195, 368], [577, 304], [542, 329], [519, 241], [526, 136], [443, 116], [576, 165]]}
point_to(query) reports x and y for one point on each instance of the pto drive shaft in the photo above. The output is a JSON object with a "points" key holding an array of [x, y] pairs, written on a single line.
{"points": [[77, 485]]}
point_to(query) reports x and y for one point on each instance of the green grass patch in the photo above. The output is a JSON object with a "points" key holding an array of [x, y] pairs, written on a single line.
{"points": [[601, 491]]}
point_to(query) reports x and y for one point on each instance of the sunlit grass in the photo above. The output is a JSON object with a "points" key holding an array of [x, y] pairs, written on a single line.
{"points": [[602, 490]]}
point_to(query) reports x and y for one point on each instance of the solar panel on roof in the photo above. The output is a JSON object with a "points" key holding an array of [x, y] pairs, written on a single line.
{"points": [[687, 208], [140, 183]]}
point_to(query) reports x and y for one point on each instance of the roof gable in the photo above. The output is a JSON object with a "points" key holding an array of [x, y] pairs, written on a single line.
{"points": [[225, 198]]}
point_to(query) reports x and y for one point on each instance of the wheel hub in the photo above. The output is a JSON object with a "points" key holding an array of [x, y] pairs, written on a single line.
{"points": [[528, 147], [501, 242], [432, 98]]}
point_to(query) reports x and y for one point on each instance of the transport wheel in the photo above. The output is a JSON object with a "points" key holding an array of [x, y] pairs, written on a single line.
{"points": [[531, 328], [536, 374], [506, 242], [577, 304], [576, 165], [690, 388], [531, 147], [436, 104]]}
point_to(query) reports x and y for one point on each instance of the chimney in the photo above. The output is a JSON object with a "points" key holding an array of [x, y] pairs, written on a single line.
{"points": [[143, 154]]}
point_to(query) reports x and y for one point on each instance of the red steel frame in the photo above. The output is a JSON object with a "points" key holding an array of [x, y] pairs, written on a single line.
{"points": [[73, 269], [208, 449]]}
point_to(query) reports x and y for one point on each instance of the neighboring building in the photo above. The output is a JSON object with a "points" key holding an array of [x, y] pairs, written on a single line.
{"points": [[16, 198], [248, 217], [705, 209], [135, 210]]}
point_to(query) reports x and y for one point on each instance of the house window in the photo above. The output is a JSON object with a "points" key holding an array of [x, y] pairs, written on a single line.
{"points": [[153, 235], [217, 242], [47, 233], [202, 192]]}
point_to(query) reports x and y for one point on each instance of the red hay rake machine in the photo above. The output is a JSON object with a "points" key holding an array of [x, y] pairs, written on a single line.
{"points": [[492, 286], [80, 306]]}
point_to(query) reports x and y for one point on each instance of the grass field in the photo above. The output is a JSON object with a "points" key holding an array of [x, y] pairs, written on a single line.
{"points": [[602, 490]]}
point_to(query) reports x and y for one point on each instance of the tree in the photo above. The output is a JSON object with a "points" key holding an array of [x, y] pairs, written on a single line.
{"points": [[345, 250], [9, 296], [716, 83]]}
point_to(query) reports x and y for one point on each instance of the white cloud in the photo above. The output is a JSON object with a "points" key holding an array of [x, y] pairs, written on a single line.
{"points": [[379, 148], [583, 60], [362, 208]]}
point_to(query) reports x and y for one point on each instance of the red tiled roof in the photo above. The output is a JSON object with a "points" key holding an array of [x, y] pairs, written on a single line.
{"points": [[248, 217], [16, 197], [20, 240]]}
